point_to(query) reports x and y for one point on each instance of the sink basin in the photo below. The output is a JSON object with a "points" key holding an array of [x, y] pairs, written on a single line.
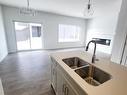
{"points": [[75, 62], [93, 75]]}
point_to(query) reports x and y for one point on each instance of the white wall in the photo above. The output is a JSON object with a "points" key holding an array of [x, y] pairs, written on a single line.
{"points": [[121, 32], [102, 27], [50, 24], [3, 45]]}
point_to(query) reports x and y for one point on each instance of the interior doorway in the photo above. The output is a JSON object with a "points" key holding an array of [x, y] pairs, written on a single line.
{"points": [[28, 36]]}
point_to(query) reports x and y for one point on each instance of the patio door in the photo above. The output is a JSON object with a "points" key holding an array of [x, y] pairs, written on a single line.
{"points": [[28, 36]]}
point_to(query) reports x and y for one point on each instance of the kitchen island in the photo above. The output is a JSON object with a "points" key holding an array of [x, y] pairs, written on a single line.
{"points": [[65, 81]]}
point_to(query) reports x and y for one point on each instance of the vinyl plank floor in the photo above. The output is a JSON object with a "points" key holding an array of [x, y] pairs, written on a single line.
{"points": [[26, 73]]}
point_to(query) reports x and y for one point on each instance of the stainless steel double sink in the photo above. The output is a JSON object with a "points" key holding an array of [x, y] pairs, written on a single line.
{"points": [[91, 74]]}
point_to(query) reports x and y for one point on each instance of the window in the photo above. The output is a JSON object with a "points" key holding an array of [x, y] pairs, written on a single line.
{"points": [[69, 33]]}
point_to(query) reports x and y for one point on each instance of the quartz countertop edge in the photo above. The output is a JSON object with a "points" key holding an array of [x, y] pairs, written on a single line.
{"points": [[1, 88], [117, 85]]}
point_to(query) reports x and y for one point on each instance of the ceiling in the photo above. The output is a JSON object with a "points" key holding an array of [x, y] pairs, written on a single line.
{"points": [[73, 8]]}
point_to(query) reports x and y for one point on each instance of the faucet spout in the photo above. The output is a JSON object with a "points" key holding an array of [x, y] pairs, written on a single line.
{"points": [[87, 47]]}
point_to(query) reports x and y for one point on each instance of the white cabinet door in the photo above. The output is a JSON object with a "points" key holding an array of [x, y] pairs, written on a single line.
{"points": [[69, 89], [63, 86], [59, 83], [54, 75]]}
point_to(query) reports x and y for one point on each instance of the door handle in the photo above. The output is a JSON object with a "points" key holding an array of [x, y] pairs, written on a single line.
{"points": [[63, 89], [66, 91]]}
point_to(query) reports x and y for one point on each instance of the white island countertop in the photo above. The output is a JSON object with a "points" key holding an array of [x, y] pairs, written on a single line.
{"points": [[117, 85]]}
